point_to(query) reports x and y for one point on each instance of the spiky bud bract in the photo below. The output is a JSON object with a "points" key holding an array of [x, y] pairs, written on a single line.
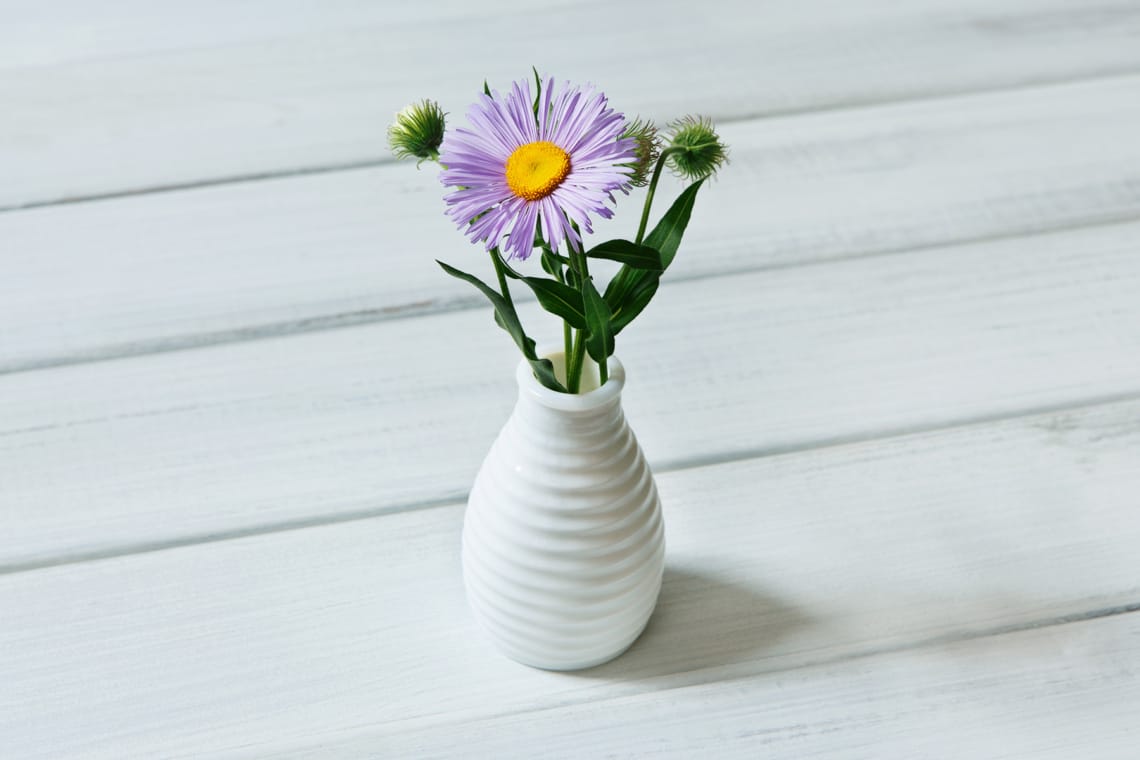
{"points": [[695, 150], [648, 148], [418, 131]]}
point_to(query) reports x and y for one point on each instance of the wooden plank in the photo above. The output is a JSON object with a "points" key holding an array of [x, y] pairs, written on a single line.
{"points": [[185, 446], [358, 631], [142, 106], [53, 32], [173, 270], [1053, 693]]}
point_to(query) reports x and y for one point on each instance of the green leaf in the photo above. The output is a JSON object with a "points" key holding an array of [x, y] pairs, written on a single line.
{"points": [[507, 268], [552, 264], [630, 254], [621, 284], [630, 291], [544, 372], [666, 236], [486, 89], [560, 300], [599, 332], [508, 319], [505, 314], [635, 300]]}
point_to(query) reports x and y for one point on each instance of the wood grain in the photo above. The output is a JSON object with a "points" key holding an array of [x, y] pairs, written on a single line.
{"points": [[1054, 693], [781, 569], [134, 99], [177, 270], [54, 32], [891, 389], [185, 446]]}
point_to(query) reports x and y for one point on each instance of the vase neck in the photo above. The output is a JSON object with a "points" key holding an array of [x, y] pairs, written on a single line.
{"points": [[568, 421], [600, 407]]}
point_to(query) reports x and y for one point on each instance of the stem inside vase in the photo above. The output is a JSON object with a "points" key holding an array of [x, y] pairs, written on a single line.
{"points": [[590, 376]]}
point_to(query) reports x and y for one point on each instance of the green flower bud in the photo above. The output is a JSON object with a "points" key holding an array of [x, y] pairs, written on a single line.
{"points": [[647, 149], [695, 150], [418, 131]]}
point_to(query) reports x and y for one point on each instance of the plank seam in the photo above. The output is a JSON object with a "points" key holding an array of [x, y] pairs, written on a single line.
{"points": [[837, 106], [416, 309], [713, 676], [457, 499]]}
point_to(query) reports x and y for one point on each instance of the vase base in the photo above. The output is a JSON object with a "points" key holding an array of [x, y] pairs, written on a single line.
{"points": [[562, 665]]}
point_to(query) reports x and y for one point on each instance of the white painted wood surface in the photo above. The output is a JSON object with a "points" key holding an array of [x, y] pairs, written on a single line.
{"points": [[776, 563], [929, 338], [131, 100], [1074, 695], [354, 247], [891, 389]]}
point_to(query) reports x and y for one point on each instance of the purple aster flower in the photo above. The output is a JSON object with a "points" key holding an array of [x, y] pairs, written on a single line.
{"points": [[515, 170]]}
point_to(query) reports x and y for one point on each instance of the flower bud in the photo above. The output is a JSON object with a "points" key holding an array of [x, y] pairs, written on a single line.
{"points": [[418, 131], [695, 149], [647, 148]]}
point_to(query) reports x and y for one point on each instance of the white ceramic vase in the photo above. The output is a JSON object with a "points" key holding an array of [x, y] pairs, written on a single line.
{"points": [[563, 541]]}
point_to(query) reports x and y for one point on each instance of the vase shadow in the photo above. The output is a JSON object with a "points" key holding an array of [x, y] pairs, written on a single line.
{"points": [[701, 621]]}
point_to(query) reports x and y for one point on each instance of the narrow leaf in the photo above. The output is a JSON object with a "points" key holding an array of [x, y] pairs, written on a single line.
{"points": [[621, 284], [510, 271], [599, 333], [552, 265], [505, 315], [635, 300], [544, 370], [508, 319], [630, 254], [630, 291], [666, 236], [560, 300]]}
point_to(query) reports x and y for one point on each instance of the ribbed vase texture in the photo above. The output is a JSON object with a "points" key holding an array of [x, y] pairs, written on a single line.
{"points": [[563, 542]]}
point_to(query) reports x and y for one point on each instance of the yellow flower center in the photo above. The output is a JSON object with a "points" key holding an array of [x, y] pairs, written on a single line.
{"points": [[535, 170]]}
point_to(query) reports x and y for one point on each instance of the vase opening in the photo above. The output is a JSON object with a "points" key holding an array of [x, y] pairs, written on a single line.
{"points": [[591, 377], [591, 396]]}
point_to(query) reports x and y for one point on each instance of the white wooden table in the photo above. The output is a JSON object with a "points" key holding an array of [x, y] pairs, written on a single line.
{"points": [[891, 389]]}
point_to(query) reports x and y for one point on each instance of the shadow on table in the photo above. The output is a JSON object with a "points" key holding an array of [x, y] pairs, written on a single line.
{"points": [[703, 621]]}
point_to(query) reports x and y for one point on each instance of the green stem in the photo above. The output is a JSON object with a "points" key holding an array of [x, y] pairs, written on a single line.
{"points": [[567, 347], [651, 190], [574, 372], [567, 335], [603, 370], [577, 352], [498, 262]]}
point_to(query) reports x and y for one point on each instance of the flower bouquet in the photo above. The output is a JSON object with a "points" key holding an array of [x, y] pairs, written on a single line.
{"points": [[527, 175], [563, 539]]}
